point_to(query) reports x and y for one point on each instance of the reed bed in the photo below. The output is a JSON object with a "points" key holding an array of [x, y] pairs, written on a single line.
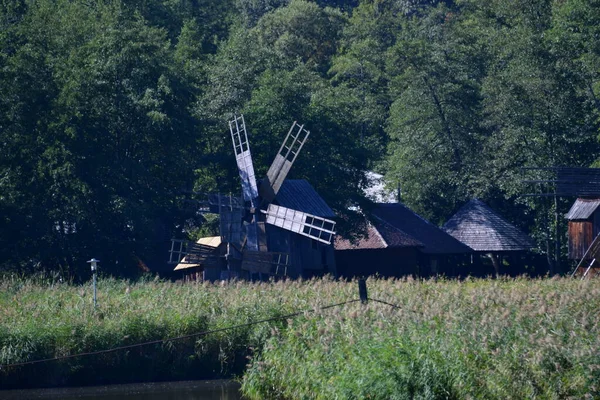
{"points": [[474, 339], [479, 339], [42, 318]]}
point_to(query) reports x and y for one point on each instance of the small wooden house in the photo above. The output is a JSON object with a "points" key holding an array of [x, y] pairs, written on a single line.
{"points": [[400, 243], [483, 230], [584, 226]]}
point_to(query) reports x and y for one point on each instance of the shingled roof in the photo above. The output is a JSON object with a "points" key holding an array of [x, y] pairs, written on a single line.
{"points": [[583, 209], [299, 195], [380, 235], [434, 239], [480, 228]]}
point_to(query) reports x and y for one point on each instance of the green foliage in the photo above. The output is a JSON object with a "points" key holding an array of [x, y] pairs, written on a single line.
{"points": [[112, 111], [43, 318], [479, 339]]}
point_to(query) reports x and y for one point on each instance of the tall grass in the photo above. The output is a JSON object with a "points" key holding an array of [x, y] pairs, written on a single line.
{"points": [[488, 339], [41, 318], [484, 339]]}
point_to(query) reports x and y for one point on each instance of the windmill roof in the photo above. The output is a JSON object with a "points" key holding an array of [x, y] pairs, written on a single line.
{"points": [[299, 195], [434, 239], [380, 235], [583, 208], [482, 229]]}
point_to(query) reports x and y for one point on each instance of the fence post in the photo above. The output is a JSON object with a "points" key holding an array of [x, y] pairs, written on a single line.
{"points": [[94, 266], [362, 291]]}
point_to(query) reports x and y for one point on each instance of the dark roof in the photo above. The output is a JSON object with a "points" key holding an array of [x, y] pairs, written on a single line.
{"points": [[480, 228], [433, 239], [299, 195], [578, 181], [380, 235], [583, 208]]}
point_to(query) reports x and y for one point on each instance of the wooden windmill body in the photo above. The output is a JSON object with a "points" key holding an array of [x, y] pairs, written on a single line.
{"points": [[262, 235]]}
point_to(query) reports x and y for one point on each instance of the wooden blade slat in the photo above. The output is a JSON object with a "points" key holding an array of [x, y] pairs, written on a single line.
{"points": [[241, 148], [284, 159], [309, 225]]}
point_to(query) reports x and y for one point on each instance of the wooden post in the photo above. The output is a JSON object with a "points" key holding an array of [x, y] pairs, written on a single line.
{"points": [[362, 291]]}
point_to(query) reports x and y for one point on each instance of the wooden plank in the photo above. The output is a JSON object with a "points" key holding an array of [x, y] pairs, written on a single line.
{"points": [[243, 157], [287, 154], [305, 224]]}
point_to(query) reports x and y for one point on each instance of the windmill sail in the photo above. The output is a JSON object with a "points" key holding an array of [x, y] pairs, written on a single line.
{"points": [[283, 161], [186, 252], [309, 225], [237, 127]]}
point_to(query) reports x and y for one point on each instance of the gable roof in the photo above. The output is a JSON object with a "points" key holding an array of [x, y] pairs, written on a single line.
{"points": [[299, 195], [433, 239], [482, 229], [583, 209], [380, 235]]}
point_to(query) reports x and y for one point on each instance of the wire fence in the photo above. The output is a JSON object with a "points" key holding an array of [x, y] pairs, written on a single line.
{"points": [[363, 299]]}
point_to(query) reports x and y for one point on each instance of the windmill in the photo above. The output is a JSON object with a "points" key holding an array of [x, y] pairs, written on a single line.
{"points": [[242, 220]]}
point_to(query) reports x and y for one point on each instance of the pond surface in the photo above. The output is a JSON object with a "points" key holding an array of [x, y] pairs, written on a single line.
{"points": [[189, 390]]}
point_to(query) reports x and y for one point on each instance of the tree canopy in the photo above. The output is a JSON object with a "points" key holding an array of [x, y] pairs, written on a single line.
{"points": [[112, 111]]}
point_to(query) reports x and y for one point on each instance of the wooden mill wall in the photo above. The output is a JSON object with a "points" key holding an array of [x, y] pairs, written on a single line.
{"points": [[580, 237], [308, 257]]}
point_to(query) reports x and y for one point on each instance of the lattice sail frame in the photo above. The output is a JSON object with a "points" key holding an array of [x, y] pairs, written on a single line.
{"points": [[287, 154], [243, 157], [305, 224], [187, 252]]}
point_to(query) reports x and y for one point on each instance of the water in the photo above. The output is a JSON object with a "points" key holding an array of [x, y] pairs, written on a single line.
{"points": [[189, 390]]}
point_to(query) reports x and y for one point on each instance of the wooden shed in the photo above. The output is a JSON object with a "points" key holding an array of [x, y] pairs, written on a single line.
{"points": [[486, 232], [584, 226], [400, 243]]}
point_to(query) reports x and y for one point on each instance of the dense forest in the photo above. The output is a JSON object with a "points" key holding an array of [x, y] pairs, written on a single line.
{"points": [[113, 112]]}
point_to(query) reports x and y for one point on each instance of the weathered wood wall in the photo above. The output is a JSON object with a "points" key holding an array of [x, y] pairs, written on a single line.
{"points": [[581, 234], [397, 262]]}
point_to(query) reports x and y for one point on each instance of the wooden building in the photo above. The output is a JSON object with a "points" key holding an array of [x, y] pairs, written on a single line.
{"points": [[584, 226], [306, 257], [584, 238], [398, 243], [384, 250], [487, 233]]}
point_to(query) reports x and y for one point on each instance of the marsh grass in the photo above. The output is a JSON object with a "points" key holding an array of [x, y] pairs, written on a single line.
{"points": [[480, 339], [42, 318], [474, 339]]}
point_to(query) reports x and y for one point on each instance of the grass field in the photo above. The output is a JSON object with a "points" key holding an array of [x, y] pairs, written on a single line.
{"points": [[40, 319], [482, 339], [490, 339]]}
